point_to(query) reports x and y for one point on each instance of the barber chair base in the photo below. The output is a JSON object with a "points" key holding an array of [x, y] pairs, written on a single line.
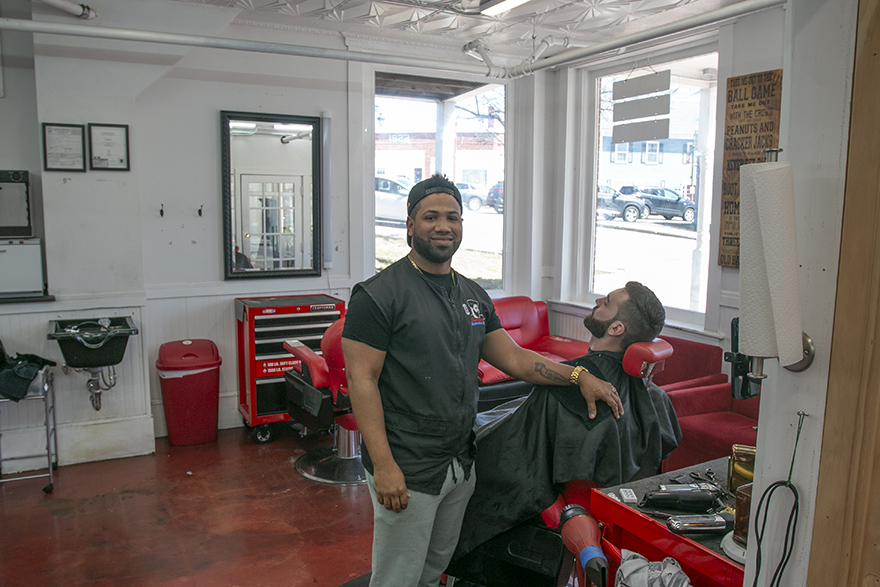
{"points": [[324, 465], [339, 464]]}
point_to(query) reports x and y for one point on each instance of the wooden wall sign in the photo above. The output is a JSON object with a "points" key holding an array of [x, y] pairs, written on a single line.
{"points": [[751, 124]]}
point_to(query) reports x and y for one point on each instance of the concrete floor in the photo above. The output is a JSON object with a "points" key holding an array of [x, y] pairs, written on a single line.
{"points": [[230, 512]]}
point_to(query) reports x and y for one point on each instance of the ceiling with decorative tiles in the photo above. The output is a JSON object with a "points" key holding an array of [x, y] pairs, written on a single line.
{"points": [[453, 23]]}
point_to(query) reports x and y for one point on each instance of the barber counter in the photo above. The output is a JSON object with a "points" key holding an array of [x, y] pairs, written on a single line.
{"points": [[701, 555], [539, 554]]}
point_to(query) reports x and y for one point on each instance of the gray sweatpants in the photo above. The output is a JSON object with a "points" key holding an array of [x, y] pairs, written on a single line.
{"points": [[411, 548]]}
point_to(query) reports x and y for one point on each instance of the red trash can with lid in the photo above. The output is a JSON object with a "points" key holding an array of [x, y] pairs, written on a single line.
{"points": [[189, 372]]}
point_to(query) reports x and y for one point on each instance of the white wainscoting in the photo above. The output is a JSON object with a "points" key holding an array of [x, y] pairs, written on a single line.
{"points": [[187, 318], [84, 434], [132, 413], [177, 317], [567, 319]]}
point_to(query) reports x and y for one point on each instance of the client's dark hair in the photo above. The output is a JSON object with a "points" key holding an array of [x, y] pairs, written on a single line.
{"points": [[642, 314]]}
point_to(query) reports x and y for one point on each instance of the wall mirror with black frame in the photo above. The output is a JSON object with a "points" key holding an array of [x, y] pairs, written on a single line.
{"points": [[271, 194]]}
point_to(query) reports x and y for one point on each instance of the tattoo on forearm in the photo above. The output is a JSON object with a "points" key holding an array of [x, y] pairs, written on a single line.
{"points": [[546, 373]]}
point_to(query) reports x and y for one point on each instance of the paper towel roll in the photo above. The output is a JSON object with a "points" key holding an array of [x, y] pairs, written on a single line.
{"points": [[769, 290]]}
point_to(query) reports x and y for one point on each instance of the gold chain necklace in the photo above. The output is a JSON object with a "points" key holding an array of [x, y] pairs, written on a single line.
{"points": [[419, 269], [451, 271]]}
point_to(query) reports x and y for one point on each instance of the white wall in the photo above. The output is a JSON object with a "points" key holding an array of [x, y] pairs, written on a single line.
{"points": [[819, 55], [109, 251], [813, 41], [19, 144], [183, 269]]}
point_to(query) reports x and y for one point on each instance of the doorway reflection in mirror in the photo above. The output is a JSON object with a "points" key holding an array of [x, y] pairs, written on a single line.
{"points": [[272, 199]]}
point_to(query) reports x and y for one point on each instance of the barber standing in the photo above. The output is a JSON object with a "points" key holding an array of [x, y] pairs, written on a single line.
{"points": [[413, 338]]}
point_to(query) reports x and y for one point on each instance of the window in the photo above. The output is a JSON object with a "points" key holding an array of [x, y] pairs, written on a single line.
{"points": [[652, 153], [476, 165], [475, 177], [664, 204]]}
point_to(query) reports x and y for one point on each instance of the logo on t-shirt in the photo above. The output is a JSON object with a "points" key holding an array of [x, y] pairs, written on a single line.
{"points": [[472, 309]]}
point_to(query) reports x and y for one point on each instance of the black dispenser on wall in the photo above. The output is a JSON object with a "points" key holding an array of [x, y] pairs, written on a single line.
{"points": [[15, 210]]}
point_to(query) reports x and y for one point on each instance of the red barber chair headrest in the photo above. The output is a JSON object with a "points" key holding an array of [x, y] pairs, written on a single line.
{"points": [[645, 359]]}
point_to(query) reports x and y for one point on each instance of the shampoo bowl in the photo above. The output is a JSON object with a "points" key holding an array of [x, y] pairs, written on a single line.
{"points": [[92, 342]]}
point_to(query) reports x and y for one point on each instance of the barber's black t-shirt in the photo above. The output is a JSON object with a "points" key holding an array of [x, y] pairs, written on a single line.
{"points": [[365, 323], [432, 329]]}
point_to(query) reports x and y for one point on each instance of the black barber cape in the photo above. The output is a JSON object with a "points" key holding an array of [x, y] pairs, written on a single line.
{"points": [[548, 440], [16, 373]]}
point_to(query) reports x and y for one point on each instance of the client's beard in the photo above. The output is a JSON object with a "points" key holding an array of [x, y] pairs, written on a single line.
{"points": [[597, 327]]}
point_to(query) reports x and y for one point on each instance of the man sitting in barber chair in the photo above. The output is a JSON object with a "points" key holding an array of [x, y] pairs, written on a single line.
{"points": [[528, 448]]}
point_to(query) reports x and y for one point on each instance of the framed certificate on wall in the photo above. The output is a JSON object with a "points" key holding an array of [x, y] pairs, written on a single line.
{"points": [[108, 147], [64, 147]]}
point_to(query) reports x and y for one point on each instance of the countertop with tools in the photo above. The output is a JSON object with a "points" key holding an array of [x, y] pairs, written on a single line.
{"points": [[629, 526], [682, 476]]}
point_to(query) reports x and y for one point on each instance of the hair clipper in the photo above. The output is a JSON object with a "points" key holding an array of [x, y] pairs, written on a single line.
{"points": [[720, 523], [685, 499]]}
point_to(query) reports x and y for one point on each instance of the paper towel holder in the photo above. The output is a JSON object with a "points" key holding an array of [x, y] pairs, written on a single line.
{"points": [[809, 355], [747, 372], [757, 371], [809, 348], [772, 155]]}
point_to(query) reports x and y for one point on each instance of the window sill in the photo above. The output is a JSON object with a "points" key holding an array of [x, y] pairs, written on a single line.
{"points": [[581, 309]]}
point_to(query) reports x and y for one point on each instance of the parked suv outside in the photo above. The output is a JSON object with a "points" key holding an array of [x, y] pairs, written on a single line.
{"points": [[667, 203], [496, 197], [611, 203]]}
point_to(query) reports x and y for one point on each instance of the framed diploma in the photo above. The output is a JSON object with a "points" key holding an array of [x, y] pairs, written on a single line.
{"points": [[108, 147], [64, 147]]}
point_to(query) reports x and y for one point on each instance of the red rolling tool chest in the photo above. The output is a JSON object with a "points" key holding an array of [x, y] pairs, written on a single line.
{"points": [[262, 326]]}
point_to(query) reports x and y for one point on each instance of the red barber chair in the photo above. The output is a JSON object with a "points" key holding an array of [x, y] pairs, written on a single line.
{"points": [[317, 398], [580, 531], [542, 552]]}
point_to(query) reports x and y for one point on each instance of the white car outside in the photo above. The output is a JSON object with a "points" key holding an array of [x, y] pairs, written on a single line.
{"points": [[471, 197], [391, 196]]}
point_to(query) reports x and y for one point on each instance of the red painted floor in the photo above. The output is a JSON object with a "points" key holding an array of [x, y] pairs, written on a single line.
{"points": [[230, 512]]}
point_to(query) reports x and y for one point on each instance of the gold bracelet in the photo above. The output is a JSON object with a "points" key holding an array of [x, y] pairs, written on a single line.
{"points": [[575, 373]]}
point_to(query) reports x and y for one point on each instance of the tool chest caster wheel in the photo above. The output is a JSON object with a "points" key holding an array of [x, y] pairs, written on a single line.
{"points": [[263, 433]]}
